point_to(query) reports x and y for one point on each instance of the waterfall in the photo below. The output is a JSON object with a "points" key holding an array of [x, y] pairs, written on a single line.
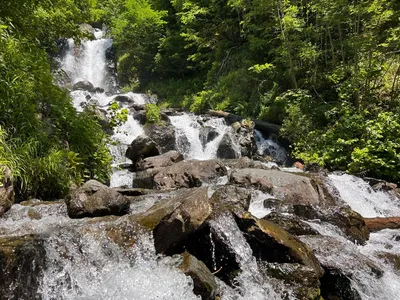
{"points": [[360, 196], [270, 147], [189, 136]]}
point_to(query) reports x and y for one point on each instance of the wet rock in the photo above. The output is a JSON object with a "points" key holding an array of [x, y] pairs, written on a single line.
{"points": [[392, 259], [303, 280], [233, 198], [207, 134], [336, 286], [164, 160], [189, 173], [140, 148], [175, 219], [249, 177], [144, 179], [272, 243], [291, 223], [84, 86], [162, 134], [140, 116], [204, 282], [341, 255], [7, 194], [244, 162], [95, 199], [227, 148], [294, 189], [22, 261], [350, 222]]}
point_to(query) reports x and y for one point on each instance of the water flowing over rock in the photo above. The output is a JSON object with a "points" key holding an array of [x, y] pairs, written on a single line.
{"points": [[203, 280], [22, 262], [186, 225]]}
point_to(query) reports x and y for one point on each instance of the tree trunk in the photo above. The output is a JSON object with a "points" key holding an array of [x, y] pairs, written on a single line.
{"points": [[376, 224]]}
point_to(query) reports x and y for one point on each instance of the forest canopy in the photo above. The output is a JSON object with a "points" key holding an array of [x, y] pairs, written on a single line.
{"points": [[327, 70]]}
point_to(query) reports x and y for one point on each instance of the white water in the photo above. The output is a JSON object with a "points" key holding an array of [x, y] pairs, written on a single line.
{"points": [[359, 195], [187, 133], [249, 283], [270, 147], [88, 61]]}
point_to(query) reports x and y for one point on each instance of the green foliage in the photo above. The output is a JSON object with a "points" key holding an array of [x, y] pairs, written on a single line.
{"points": [[153, 113], [324, 69], [117, 116], [43, 140]]}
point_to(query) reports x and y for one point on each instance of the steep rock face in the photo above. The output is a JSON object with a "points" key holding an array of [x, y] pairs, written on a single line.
{"points": [[238, 142], [95, 199], [189, 173], [22, 261], [6, 191]]}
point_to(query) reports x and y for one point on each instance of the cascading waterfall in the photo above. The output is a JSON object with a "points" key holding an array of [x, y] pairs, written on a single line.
{"points": [[270, 147], [360, 196], [82, 261], [189, 136]]}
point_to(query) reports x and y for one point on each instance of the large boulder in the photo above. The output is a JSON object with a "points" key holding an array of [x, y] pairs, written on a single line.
{"points": [[162, 134], [22, 261], [6, 190], [231, 197], [141, 147], [204, 283], [160, 161], [173, 220], [84, 86], [294, 189], [272, 243], [228, 147], [189, 173], [95, 199], [351, 223]]}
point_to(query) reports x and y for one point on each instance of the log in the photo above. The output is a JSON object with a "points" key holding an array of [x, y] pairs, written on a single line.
{"points": [[376, 224], [260, 125]]}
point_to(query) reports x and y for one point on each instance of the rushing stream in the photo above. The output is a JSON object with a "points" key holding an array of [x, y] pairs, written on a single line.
{"points": [[80, 266]]}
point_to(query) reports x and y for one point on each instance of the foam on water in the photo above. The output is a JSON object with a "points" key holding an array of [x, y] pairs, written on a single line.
{"points": [[188, 140], [359, 195], [249, 283]]}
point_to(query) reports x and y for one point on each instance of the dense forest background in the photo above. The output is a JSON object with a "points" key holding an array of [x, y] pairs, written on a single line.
{"points": [[327, 70]]}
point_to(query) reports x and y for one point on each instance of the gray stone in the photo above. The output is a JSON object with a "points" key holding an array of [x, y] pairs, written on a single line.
{"points": [[94, 199]]}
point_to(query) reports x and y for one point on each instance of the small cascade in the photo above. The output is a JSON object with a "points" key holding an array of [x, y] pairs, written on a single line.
{"points": [[360, 196], [249, 283], [198, 141], [88, 61], [270, 147], [84, 267]]}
